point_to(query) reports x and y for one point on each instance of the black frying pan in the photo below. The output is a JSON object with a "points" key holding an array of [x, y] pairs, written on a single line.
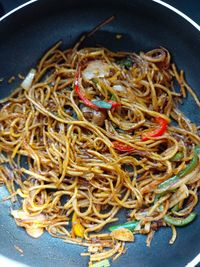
{"points": [[144, 24]]}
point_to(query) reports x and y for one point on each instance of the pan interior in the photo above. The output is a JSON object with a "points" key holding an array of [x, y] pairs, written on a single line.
{"points": [[144, 25]]}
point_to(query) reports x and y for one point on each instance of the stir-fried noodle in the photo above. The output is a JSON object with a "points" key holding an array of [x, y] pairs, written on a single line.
{"points": [[101, 132]]}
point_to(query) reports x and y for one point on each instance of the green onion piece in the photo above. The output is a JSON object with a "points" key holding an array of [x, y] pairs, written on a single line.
{"points": [[128, 225], [102, 104], [113, 97], [178, 221], [125, 62], [103, 263], [178, 156]]}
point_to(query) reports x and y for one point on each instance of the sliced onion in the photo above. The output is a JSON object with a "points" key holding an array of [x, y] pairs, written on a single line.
{"points": [[123, 234], [150, 237], [96, 69], [138, 227], [25, 217], [147, 227], [119, 88], [30, 223], [179, 195], [27, 82], [185, 180], [34, 232], [194, 179]]}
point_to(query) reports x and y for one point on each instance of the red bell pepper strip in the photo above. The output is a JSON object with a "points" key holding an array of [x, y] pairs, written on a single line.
{"points": [[87, 102], [122, 147], [156, 132], [162, 127], [114, 103]]}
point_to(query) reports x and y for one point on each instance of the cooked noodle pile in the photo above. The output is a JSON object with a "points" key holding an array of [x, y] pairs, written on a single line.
{"points": [[101, 132]]}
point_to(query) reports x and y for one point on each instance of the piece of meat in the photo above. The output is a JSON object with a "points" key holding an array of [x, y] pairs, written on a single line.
{"points": [[94, 116]]}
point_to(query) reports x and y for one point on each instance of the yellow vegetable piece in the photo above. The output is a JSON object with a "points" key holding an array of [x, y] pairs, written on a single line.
{"points": [[123, 234], [77, 226]]}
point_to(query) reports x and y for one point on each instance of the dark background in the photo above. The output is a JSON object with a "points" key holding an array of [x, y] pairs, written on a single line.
{"points": [[189, 7]]}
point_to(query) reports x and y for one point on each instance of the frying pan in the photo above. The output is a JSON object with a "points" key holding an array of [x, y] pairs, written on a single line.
{"points": [[144, 24]]}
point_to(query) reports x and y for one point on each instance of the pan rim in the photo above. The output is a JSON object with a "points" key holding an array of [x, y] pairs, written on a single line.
{"points": [[162, 3], [196, 259]]}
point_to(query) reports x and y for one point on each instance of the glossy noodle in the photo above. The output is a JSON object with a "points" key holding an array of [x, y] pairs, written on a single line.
{"points": [[101, 132]]}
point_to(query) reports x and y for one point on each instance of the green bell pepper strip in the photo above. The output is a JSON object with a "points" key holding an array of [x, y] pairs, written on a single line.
{"points": [[102, 104], [175, 208], [197, 148], [191, 165], [168, 182], [128, 225], [178, 221], [178, 156], [182, 173]]}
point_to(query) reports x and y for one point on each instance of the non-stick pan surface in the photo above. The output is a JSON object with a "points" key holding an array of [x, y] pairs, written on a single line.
{"points": [[25, 36]]}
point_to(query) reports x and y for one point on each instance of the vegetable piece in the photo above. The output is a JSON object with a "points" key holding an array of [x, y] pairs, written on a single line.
{"points": [[190, 167], [106, 105], [77, 226], [179, 195], [168, 182], [102, 104], [113, 97], [25, 217], [125, 62], [119, 88], [175, 208], [96, 117], [162, 127], [34, 231], [86, 101], [178, 221], [197, 149], [128, 167], [27, 82], [95, 104], [32, 224], [114, 103], [96, 69], [123, 234], [128, 225], [103, 263], [122, 147], [178, 156]]}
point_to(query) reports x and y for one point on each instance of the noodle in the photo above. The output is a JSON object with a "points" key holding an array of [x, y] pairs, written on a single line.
{"points": [[84, 164]]}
